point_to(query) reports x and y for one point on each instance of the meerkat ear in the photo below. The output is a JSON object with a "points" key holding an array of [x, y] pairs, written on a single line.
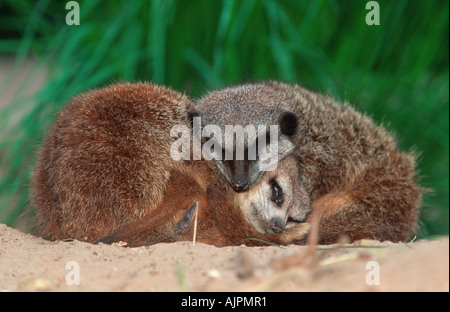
{"points": [[288, 123], [191, 116]]}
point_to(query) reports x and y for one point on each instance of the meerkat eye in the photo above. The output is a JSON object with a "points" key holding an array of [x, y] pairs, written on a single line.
{"points": [[277, 192]]}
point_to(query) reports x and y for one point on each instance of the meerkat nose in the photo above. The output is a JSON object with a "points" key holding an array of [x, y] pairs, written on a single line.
{"points": [[276, 225], [240, 183], [240, 187]]}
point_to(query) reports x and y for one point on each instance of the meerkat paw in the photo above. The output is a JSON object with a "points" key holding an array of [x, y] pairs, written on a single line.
{"points": [[295, 233], [183, 226], [110, 239]]}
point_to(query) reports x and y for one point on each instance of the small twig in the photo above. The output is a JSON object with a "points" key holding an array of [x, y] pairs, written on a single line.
{"points": [[195, 226]]}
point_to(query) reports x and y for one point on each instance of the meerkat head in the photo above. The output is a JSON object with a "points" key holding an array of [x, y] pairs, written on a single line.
{"points": [[246, 131], [277, 201]]}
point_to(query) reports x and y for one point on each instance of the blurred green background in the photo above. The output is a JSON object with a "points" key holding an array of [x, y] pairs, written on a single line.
{"points": [[397, 72]]}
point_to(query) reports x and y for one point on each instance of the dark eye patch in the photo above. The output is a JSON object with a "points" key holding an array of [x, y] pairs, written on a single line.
{"points": [[277, 193]]}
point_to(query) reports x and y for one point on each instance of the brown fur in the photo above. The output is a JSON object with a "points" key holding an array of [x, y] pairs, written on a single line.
{"points": [[105, 171], [360, 184]]}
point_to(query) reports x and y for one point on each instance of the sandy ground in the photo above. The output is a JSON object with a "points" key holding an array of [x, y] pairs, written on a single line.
{"points": [[29, 263]]}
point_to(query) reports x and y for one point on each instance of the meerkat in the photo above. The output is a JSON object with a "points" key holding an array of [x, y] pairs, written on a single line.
{"points": [[105, 173], [360, 184]]}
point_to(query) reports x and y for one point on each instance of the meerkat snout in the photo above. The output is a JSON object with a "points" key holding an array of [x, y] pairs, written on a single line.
{"points": [[276, 225]]}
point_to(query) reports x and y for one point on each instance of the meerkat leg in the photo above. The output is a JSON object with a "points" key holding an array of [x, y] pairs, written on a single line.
{"points": [[341, 219], [152, 221], [377, 205], [296, 234], [181, 194]]}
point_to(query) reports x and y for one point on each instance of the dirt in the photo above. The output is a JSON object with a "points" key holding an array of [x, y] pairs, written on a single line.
{"points": [[29, 263]]}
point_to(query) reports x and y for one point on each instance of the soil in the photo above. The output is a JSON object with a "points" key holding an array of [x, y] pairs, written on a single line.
{"points": [[29, 263]]}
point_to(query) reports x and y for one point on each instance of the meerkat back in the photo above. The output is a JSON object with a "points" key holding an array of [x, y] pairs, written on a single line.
{"points": [[106, 160]]}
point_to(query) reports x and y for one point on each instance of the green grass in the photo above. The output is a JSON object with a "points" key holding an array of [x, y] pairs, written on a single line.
{"points": [[397, 72], [181, 276]]}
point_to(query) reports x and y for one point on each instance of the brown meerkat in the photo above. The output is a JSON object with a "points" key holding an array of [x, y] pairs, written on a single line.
{"points": [[105, 173], [360, 184]]}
